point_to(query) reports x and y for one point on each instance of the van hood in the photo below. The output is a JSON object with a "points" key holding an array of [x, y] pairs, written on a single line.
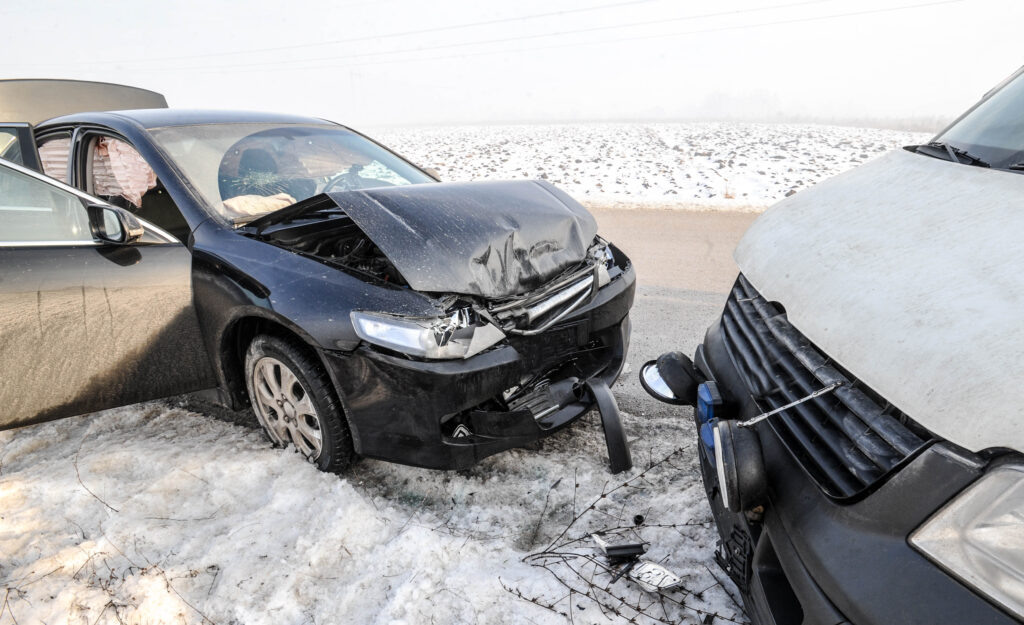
{"points": [[491, 239], [908, 273]]}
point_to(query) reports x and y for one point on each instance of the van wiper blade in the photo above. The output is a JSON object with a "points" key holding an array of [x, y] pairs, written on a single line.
{"points": [[938, 149]]}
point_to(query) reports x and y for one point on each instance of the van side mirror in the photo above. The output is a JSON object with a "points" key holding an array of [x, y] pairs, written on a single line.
{"points": [[671, 378], [111, 224]]}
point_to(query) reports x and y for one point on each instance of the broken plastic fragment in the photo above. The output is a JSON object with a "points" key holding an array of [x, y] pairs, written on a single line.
{"points": [[653, 577], [619, 550]]}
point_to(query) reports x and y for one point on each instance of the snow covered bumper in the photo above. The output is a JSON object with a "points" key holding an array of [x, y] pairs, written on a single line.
{"points": [[817, 549], [449, 414]]}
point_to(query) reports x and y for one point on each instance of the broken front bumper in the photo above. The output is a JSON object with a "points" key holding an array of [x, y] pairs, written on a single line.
{"points": [[449, 414]]}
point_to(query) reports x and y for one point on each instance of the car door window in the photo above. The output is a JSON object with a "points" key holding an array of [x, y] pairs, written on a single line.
{"points": [[10, 146], [17, 144], [32, 211], [116, 172], [54, 154]]}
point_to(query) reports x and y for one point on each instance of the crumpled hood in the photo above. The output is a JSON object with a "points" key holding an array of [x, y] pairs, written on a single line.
{"points": [[908, 272], [492, 239]]}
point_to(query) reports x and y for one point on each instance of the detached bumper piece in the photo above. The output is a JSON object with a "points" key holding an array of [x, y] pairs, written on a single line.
{"points": [[619, 458]]}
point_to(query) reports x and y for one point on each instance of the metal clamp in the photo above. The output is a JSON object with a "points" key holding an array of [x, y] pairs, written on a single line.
{"points": [[764, 415]]}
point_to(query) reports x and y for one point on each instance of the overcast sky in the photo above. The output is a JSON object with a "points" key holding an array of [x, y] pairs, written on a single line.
{"points": [[398, 62]]}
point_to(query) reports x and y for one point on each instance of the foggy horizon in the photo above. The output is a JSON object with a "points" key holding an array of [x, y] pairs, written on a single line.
{"points": [[402, 63], [923, 123]]}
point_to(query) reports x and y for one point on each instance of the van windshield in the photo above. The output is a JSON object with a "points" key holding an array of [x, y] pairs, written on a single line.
{"points": [[994, 130], [246, 170]]}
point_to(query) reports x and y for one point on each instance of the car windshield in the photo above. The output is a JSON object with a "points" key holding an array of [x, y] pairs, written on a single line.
{"points": [[994, 130], [246, 170]]}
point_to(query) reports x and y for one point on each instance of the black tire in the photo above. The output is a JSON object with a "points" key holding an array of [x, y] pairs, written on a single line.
{"points": [[335, 440]]}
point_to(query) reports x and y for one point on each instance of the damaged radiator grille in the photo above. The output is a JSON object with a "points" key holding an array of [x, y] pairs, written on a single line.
{"points": [[847, 440]]}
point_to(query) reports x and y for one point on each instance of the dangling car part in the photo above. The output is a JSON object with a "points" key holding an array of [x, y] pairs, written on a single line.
{"points": [[359, 305]]}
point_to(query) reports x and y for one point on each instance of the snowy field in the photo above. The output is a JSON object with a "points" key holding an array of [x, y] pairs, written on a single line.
{"points": [[701, 165], [153, 514]]}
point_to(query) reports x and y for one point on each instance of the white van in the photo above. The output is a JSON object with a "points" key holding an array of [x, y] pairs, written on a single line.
{"points": [[860, 401]]}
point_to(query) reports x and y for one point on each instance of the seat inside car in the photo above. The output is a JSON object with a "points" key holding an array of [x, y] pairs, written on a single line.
{"points": [[260, 174], [158, 208]]}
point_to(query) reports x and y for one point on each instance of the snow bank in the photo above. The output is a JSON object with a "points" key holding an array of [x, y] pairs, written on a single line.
{"points": [[153, 514], [705, 165]]}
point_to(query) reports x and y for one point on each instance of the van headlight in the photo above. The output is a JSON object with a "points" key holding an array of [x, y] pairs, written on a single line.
{"points": [[979, 537], [456, 336]]}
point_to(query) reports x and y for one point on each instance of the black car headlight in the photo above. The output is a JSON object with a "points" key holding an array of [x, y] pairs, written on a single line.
{"points": [[979, 537], [455, 336]]}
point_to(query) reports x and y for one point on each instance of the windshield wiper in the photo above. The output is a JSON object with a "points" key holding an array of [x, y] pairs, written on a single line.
{"points": [[293, 211], [938, 149]]}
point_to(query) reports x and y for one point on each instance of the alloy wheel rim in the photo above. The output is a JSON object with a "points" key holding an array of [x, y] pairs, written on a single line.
{"points": [[285, 408]]}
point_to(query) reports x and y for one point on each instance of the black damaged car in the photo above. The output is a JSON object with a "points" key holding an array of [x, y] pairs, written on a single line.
{"points": [[362, 307]]}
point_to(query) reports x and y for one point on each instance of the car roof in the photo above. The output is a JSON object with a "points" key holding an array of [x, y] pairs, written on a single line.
{"points": [[160, 118]]}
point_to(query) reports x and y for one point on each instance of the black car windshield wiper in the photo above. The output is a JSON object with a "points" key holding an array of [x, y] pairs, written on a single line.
{"points": [[293, 211], [938, 149]]}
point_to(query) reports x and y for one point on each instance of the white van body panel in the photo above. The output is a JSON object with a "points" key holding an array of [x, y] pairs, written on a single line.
{"points": [[909, 272]]}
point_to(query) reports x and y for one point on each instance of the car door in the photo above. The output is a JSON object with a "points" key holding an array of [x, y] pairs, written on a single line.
{"points": [[86, 324]]}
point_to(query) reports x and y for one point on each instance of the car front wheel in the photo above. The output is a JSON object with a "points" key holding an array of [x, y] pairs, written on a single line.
{"points": [[295, 402]]}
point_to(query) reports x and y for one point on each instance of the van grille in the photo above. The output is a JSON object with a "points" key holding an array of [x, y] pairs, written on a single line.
{"points": [[848, 440]]}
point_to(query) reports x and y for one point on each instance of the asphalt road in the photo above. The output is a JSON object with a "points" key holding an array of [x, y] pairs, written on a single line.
{"points": [[684, 268]]}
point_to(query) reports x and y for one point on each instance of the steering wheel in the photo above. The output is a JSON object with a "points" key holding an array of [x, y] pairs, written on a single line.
{"points": [[345, 181]]}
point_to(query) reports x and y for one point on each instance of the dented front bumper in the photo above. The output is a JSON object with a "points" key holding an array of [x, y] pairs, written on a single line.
{"points": [[449, 414]]}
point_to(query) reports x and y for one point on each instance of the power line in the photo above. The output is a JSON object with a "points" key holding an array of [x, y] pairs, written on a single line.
{"points": [[406, 33], [263, 65], [441, 29], [615, 40], [684, 18]]}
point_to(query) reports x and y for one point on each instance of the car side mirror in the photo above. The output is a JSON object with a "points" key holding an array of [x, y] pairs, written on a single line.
{"points": [[111, 224], [671, 378], [655, 385], [433, 173]]}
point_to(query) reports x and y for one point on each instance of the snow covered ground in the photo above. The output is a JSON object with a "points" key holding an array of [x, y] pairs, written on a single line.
{"points": [[154, 514], [703, 165]]}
